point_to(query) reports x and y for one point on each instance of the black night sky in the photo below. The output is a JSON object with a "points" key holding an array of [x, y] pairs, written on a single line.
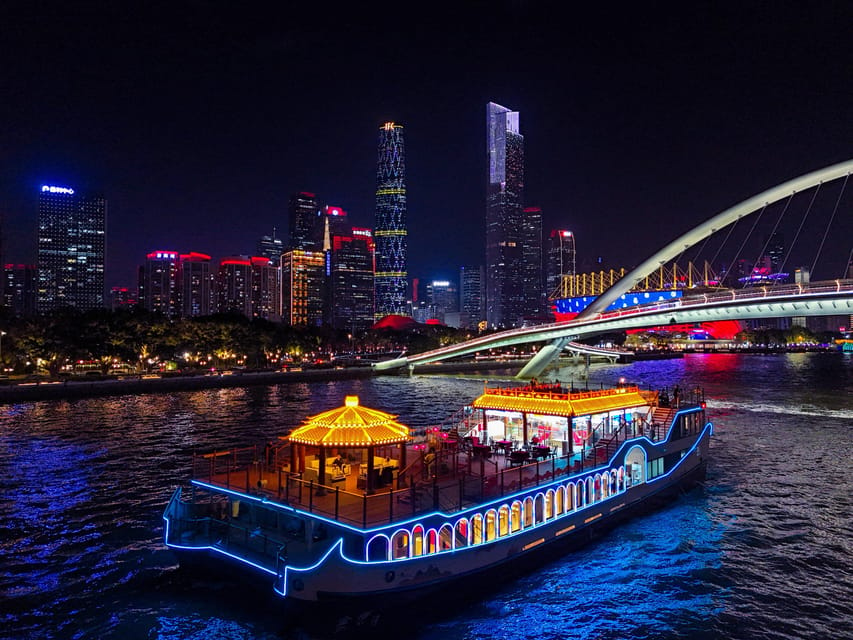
{"points": [[198, 120]]}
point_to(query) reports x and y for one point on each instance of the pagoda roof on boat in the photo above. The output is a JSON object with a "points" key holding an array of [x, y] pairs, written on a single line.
{"points": [[550, 403], [351, 426]]}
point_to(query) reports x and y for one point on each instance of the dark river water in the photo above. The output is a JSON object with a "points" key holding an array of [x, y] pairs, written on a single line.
{"points": [[763, 550]]}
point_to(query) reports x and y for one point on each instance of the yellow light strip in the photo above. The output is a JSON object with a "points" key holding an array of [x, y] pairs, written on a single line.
{"points": [[535, 543], [595, 517], [562, 531]]}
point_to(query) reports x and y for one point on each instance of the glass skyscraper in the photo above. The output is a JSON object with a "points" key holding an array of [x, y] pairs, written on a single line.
{"points": [[71, 250], [390, 224], [505, 229]]}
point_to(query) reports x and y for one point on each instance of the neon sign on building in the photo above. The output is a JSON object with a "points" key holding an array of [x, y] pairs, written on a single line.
{"points": [[51, 189]]}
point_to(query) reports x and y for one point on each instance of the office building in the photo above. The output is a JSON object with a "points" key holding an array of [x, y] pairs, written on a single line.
{"points": [[266, 289], [560, 261], [471, 296], [158, 283], [390, 223], [302, 210], [303, 298], [531, 262], [505, 290], [19, 289], [71, 249], [196, 282], [271, 248], [350, 281], [234, 285]]}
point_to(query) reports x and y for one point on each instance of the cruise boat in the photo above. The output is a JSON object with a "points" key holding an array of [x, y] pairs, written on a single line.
{"points": [[354, 505]]}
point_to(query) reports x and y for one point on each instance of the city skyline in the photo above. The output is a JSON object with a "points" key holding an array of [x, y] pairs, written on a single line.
{"points": [[197, 148]]}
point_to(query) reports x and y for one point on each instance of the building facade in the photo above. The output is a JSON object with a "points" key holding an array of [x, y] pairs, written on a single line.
{"points": [[197, 290], [302, 211], [531, 262], [303, 275], [19, 289], [159, 290], [505, 292], [390, 223], [234, 285], [271, 248], [71, 249], [560, 259], [471, 296], [350, 284]]}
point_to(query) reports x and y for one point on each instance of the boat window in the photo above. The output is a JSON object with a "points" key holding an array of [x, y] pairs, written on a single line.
{"points": [[516, 516], [491, 525], [571, 493], [400, 545], [432, 541], [418, 541], [621, 479], [461, 534], [614, 485], [445, 538], [477, 529], [549, 504], [539, 508], [377, 549], [560, 501], [528, 512], [503, 521], [590, 490], [581, 493]]}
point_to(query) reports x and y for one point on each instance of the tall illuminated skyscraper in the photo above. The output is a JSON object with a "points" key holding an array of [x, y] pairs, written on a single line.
{"points": [[390, 224], [505, 233], [71, 250]]}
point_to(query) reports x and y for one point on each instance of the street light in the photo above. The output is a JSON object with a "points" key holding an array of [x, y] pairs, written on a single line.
{"points": [[2, 333]]}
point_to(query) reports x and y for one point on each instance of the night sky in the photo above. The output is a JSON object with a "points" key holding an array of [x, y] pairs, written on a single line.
{"points": [[198, 120]]}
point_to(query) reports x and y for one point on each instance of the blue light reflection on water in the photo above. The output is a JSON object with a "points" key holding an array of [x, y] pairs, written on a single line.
{"points": [[763, 551]]}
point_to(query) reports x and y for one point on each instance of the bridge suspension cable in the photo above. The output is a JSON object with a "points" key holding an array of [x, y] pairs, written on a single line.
{"points": [[800, 228], [829, 224]]}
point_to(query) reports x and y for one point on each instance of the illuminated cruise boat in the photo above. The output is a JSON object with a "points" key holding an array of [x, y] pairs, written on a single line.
{"points": [[354, 505]]}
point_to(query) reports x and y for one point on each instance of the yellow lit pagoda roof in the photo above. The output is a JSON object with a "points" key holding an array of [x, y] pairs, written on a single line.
{"points": [[561, 404], [351, 426]]}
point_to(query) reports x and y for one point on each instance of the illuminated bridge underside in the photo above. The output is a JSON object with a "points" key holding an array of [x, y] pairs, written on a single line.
{"points": [[821, 299]]}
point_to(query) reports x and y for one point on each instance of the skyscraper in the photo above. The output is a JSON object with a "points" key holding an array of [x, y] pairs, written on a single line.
{"points": [[471, 293], [302, 287], [350, 280], [531, 261], [505, 300], [559, 259], [302, 210], [159, 287], [271, 247], [71, 249], [196, 285], [390, 228]]}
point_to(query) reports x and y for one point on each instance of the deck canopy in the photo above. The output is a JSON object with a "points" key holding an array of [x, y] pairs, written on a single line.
{"points": [[525, 400], [351, 426]]}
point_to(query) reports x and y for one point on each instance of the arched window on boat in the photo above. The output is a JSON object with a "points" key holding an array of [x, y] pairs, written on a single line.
{"points": [[400, 544], [460, 534], [581, 494], [549, 504], [491, 524], [614, 484], [418, 541], [560, 501], [432, 541], [635, 464], [620, 481], [528, 512], [571, 496], [515, 517], [477, 529], [590, 490], [445, 538], [539, 508], [599, 488], [377, 549], [503, 521]]}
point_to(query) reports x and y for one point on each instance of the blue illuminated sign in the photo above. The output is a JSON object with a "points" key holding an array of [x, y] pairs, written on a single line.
{"points": [[51, 189]]}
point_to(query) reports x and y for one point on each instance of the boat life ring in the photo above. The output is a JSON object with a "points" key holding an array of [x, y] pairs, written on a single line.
{"points": [[389, 576]]}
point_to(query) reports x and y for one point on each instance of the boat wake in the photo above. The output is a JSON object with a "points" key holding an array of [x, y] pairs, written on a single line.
{"points": [[798, 409]]}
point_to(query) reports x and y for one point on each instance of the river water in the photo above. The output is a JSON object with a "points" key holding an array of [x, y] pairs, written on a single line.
{"points": [[763, 550]]}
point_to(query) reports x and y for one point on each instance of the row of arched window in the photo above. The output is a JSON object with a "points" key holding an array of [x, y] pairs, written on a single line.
{"points": [[497, 522]]}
